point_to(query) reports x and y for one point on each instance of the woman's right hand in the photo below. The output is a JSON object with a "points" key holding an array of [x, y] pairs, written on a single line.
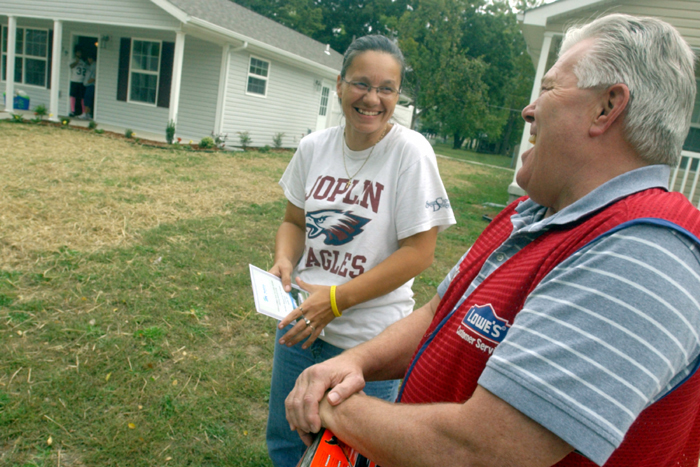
{"points": [[283, 269]]}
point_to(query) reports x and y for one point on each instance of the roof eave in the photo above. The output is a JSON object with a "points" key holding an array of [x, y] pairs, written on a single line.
{"points": [[539, 16], [172, 9], [227, 33]]}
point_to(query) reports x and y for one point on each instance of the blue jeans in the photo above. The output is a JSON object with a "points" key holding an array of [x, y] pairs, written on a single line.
{"points": [[283, 445]]}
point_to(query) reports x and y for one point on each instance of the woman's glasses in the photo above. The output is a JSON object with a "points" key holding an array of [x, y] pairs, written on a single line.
{"points": [[362, 88]]}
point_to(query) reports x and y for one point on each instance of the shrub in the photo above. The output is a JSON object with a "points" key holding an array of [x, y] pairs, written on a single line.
{"points": [[40, 111], [245, 139], [265, 149], [219, 139], [207, 143], [129, 133], [99, 131], [170, 132], [277, 140], [92, 125], [65, 121], [36, 120], [17, 118]]}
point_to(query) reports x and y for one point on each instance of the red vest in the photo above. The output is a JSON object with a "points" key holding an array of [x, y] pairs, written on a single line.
{"points": [[665, 434]]}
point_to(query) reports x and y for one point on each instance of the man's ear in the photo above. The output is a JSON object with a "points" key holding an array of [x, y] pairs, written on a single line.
{"points": [[613, 102]]}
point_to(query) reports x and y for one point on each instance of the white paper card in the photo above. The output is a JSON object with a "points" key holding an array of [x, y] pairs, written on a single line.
{"points": [[270, 297]]}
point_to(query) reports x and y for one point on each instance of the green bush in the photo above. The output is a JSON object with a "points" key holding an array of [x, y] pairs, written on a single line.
{"points": [[92, 125], [129, 133], [99, 131], [277, 140], [170, 132], [219, 139], [207, 143], [40, 111], [265, 149], [245, 139], [17, 118]]}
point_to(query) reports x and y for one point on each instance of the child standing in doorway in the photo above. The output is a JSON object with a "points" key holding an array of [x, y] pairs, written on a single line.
{"points": [[78, 68]]}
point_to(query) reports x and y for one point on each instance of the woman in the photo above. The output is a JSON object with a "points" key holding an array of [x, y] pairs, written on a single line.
{"points": [[361, 221]]}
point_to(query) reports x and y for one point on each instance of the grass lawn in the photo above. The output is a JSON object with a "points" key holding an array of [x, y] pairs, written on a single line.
{"points": [[128, 334], [497, 160]]}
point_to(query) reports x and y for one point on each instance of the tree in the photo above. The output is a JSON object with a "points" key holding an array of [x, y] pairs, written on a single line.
{"points": [[467, 68], [493, 35]]}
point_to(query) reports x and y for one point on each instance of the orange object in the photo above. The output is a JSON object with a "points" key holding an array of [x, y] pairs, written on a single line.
{"points": [[329, 451]]}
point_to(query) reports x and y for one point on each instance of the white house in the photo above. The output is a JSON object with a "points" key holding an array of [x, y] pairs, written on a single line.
{"points": [[542, 28], [208, 65]]}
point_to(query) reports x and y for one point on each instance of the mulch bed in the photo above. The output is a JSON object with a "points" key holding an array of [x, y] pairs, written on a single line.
{"points": [[137, 140]]}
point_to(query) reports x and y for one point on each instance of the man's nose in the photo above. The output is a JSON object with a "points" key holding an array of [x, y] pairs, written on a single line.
{"points": [[528, 113]]}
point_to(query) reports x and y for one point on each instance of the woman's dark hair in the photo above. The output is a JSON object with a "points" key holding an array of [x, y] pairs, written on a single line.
{"points": [[375, 43]]}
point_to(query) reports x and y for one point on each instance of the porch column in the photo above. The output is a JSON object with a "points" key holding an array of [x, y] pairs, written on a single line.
{"points": [[177, 76], [10, 68], [223, 88], [55, 69], [514, 191]]}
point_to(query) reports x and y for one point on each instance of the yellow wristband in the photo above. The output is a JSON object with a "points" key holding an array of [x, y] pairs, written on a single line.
{"points": [[334, 306]]}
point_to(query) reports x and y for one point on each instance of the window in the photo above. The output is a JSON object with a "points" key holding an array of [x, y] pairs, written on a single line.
{"points": [[145, 71], [257, 76], [145, 68], [31, 56], [324, 101]]}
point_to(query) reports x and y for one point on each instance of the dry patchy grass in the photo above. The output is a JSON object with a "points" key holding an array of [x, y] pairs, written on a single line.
{"points": [[127, 328], [84, 191]]}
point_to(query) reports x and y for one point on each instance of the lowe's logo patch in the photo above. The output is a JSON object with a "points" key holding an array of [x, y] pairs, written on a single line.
{"points": [[483, 320]]}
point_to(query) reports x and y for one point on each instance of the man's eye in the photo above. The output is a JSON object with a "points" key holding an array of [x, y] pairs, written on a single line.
{"points": [[361, 85], [386, 90]]}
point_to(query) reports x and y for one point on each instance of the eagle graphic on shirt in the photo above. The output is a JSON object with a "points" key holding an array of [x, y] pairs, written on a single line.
{"points": [[339, 227]]}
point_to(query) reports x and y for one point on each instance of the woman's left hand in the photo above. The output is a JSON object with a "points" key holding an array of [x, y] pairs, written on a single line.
{"points": [[312, 316]]}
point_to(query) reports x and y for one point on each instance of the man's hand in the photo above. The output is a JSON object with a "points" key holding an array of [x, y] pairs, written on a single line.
{"points": [[340, 375]]}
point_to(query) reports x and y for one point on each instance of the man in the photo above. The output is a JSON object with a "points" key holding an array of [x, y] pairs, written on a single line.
{"points": [[568, 334]]}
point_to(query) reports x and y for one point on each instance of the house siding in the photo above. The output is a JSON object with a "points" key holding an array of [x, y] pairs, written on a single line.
{"points": [[135, 116], [682, 14], [199, 89], [290, 106], [124, 12]]}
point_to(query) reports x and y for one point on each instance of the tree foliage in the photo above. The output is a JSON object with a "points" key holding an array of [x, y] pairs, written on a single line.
{"points": [[467, 69]]}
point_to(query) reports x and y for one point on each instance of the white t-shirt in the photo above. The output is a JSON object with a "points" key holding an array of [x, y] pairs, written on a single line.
{"points": [[396, 194], [90, 72], [77, 73]]}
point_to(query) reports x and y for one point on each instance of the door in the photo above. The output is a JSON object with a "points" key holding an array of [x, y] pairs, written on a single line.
{"points": [[323, 107], [88, 47]]}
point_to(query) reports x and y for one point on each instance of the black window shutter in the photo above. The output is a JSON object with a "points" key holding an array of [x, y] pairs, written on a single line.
{"points": [[165, 79], [123, 75], [48, 60]]}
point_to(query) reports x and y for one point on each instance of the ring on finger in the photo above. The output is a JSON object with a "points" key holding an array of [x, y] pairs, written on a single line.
{"points": [[313, 329], [306, 320]]}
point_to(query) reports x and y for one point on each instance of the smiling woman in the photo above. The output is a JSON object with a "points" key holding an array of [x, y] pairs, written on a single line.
{"points": [[366, 192]]}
